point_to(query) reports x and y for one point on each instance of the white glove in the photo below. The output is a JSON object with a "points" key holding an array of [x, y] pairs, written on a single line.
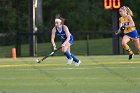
{"points": [[54, 48]]}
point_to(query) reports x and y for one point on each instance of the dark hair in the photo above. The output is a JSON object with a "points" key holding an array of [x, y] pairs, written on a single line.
{"points": [[58, 16]]}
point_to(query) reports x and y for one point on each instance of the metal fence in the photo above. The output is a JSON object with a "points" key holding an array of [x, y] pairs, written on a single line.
{"points": [[85, 43]]}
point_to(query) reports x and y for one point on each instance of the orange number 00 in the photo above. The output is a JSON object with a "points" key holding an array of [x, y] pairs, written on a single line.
{"points": [[109, 4]]}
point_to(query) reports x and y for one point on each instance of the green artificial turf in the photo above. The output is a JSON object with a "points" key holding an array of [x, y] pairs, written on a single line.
{"points": [[96, 74]]}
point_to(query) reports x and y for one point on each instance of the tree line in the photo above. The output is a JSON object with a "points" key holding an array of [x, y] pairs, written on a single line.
{"points": [[80, 15]]}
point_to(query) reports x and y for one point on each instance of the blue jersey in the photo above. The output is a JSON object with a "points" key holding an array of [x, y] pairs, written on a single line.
{"points": [[63, 36]]}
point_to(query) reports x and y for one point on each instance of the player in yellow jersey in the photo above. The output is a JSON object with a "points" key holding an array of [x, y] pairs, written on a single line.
{"points": [[127, 26]]}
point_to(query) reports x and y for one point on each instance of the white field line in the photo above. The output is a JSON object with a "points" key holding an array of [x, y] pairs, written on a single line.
{"points": [[31, 65], [98, 63], [51, 65], [116, 67], [90, 78], [83, 78], [68, 78], [6, 78], [54, 69], [136, 78], [66, 69]]}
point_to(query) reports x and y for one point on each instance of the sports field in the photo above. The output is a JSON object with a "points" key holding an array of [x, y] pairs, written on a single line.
{"points": [[96, 74]]}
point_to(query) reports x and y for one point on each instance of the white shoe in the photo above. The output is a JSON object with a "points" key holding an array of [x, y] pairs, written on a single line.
{"points": [[77, 64], [70, 61]]}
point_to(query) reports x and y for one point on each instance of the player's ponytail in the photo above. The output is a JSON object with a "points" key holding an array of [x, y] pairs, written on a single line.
{"points": [[63, 20], [129, 12]]}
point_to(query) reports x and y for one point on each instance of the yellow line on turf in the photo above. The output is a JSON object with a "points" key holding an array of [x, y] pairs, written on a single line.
{"points": [[43, 65], [118, 62], [30, 65]]}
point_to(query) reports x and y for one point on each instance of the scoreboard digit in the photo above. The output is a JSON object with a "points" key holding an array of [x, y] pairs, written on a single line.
{"points": [[112, 4]]}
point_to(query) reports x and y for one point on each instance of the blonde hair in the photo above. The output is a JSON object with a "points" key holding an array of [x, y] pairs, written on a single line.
{"points": [[128, 10]]}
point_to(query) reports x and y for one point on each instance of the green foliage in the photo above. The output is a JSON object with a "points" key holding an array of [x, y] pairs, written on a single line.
{"points": [[81, 15], [12, 10], [8, 17]]}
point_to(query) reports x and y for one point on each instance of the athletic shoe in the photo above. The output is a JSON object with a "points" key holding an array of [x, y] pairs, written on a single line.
{"points": [[70, 61], [131, 56], [77, 64]]}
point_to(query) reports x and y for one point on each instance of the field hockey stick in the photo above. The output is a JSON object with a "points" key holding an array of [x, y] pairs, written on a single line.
{"points": [[39, 61]]}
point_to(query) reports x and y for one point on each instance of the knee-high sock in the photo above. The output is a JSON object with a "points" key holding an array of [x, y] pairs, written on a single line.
{"points": [[68, 55], [127, 48], [139, 52], [74, 58]]}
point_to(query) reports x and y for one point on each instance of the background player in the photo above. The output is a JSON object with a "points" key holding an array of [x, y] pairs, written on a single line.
{"points": [[66, 39]]}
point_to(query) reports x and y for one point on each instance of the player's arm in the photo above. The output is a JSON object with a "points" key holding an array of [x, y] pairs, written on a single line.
{"points": [[119, 30], [67, 34], [53, 37], [121, 26], [131, 22]]}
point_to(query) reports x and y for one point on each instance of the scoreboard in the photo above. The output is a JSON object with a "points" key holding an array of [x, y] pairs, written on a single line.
{"points": [[112, 4]]}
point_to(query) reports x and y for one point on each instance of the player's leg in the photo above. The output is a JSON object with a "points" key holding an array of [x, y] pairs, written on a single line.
{"points": [[77, 61], [137, 45], [71, 57], [125, 40], [67, 53], [75, 58]]}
